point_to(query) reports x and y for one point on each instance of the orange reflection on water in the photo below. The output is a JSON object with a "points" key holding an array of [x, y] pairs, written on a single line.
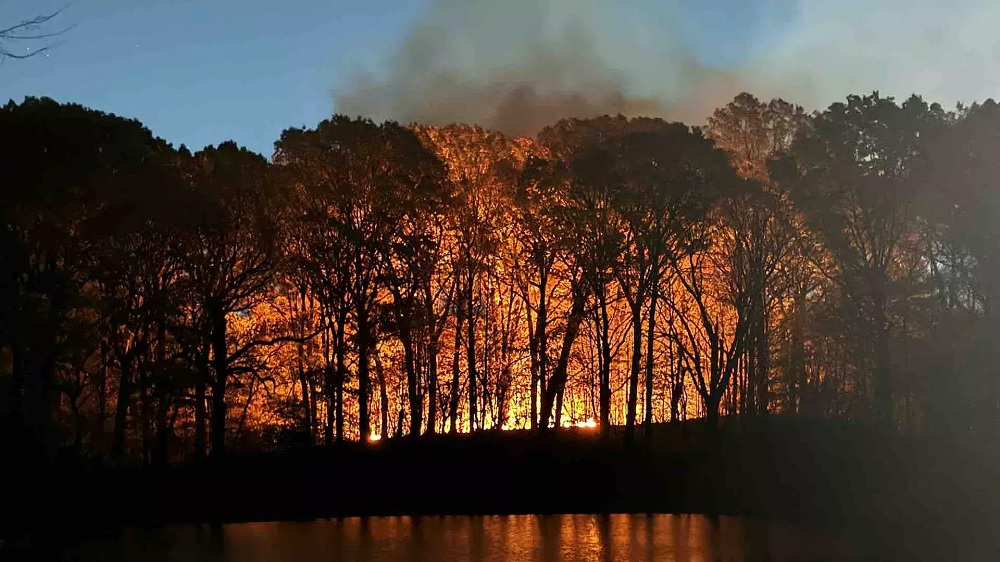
{"points": [[516, 538]]}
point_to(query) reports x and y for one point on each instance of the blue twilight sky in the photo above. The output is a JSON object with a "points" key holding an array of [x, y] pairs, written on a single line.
{"points": [[200, 72]]}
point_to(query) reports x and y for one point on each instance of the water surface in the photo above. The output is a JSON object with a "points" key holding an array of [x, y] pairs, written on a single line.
{"points": [[614, 538]]}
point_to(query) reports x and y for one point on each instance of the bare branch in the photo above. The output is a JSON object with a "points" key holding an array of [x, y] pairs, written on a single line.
{"points": [[29, 30]]}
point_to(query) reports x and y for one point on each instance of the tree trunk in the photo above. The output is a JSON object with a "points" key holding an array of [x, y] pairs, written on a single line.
{"points": [[882, 390], [650, 338], [560, 373], [675, 396], [412, 384], [471, 355], [78, 421], [162, 450], [300, 352], [400, 423], [42, 395], [533, 357], [796, 368], [102, 398], [745, 378], [147, 413], [541, 334], [432, 384], [17, 389], [364, 373], [328, 382], [605, 367], [220, 363], [340, 350], [712, 404], [121, 408], [199, 404], [304, 386], [763, 360], [383, 396], [633, 376], [559, 408], [329, 376], [27, 401], [455, 374]]}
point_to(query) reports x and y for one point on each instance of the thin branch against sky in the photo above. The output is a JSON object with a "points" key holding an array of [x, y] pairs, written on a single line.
{"points": [[27, 32]]}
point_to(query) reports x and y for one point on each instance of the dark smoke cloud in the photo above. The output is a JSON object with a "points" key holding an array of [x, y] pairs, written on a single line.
{"points": [[518, 65]]}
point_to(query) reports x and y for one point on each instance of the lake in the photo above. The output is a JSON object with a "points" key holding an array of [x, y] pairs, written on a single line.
{"points": [[606, 538]]}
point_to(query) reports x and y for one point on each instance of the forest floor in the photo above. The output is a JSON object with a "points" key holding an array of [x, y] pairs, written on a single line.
{"points": [[834, 473]]}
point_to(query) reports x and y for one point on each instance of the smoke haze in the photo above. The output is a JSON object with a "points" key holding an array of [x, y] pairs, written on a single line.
{"points": [[518, 65]]}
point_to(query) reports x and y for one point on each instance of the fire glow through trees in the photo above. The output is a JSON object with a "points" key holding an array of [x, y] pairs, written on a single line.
{"points": [[377, 281]]}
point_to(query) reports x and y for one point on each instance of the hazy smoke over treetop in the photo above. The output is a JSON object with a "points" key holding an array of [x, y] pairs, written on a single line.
{"points": [[518, 65], [945, 51]]}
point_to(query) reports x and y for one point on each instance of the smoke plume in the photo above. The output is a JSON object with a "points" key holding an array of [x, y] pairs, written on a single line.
{"points": [[518, 65]]}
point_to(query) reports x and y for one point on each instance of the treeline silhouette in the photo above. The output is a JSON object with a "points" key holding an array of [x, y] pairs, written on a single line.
{"points": [[373, 281]]}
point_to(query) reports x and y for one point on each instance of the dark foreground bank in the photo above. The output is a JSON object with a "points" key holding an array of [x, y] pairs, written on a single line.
{"points": [[925, 495]]}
